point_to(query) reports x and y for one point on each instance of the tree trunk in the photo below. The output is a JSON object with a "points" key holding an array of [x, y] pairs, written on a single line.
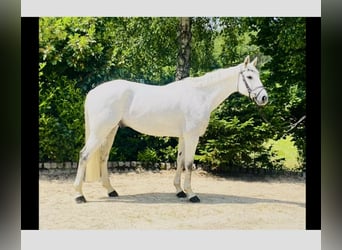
{"points": [[184, 39]]}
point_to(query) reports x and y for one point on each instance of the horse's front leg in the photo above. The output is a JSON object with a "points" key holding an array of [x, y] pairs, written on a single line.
{"points": [[180, 165], [187, 184], [190, 149], [88, 150]]}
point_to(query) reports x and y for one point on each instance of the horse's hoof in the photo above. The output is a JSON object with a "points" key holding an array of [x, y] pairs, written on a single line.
{"points": [[181, 194], [194, 199], [113, 194], [80, 200]]}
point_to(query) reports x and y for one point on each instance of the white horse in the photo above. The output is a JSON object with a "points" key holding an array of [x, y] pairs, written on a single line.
{"points": [[179, 109]]}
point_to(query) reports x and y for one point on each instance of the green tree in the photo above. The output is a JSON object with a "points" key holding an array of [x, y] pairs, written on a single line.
{"points": [[76, 54], [284, 40], [184, 48]]}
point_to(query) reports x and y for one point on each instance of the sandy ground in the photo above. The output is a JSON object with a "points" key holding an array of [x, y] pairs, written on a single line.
{"points": [[147, 201]]}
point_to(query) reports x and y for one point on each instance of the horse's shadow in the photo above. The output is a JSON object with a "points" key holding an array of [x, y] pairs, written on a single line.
{"points": [[208, 199]]}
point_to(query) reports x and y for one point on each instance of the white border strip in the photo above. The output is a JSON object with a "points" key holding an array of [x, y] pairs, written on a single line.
{"points": [[171, 240], [170, 8]]}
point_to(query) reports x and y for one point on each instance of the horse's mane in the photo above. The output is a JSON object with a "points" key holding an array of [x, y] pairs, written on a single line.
{"points": [[208, 78]]}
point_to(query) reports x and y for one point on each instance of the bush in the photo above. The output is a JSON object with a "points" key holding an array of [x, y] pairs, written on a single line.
{"points": [[232, 143], [148, 155], [61, 121]]}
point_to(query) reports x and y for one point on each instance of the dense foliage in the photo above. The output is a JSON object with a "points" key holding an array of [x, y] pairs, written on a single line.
{"points": [[76, 54]]}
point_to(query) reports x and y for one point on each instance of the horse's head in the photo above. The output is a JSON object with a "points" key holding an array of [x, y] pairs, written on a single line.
{"points": [[249, 83]]}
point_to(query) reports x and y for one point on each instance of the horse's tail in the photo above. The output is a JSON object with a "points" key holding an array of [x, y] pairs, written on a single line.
{"points": [[93, 167]]}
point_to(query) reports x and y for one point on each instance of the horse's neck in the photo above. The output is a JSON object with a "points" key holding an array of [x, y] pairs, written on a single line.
{"points": [[221, 86]]}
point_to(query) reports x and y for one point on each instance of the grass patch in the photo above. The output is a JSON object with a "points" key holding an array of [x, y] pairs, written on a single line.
{"points": [[285, 148]]}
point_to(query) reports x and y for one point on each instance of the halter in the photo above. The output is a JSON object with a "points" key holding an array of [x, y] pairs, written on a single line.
{"points": [[248, 87]]}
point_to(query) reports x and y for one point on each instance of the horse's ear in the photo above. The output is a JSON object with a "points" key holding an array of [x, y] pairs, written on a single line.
{"points": [[247, 60], [254, 62]]}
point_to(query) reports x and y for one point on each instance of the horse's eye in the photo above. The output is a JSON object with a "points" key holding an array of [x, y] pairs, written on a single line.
{"points": [[250, 77]]}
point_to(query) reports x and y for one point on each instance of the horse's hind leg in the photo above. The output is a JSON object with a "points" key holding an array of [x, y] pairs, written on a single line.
{"points": [[105, 150], [92, 144]]}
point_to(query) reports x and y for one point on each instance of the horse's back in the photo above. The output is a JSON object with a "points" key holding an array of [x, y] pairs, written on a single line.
{"points": [[116, 87], [107, 94]]}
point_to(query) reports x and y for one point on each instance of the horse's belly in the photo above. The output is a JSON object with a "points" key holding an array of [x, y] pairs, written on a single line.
{"points": [[165, 113], [155, 126]]}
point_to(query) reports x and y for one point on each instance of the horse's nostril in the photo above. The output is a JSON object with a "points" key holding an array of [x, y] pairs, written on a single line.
{"points": [[264, 98]]}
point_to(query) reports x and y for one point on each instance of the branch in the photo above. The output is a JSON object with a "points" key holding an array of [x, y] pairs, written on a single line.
{"points": [[295, 124]]}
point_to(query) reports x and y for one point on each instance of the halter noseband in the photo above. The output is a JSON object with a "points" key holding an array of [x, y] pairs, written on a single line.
{"points": [[248, 87]]}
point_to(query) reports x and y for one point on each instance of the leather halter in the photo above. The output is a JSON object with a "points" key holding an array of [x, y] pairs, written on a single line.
{"points": [[248, 87]]}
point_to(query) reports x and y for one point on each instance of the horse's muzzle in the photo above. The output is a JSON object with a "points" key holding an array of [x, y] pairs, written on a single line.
{"points": [[261, 100], [264, 100]]}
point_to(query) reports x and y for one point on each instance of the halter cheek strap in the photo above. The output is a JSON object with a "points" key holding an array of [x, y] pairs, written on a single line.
{"points": [[247, 86]]}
